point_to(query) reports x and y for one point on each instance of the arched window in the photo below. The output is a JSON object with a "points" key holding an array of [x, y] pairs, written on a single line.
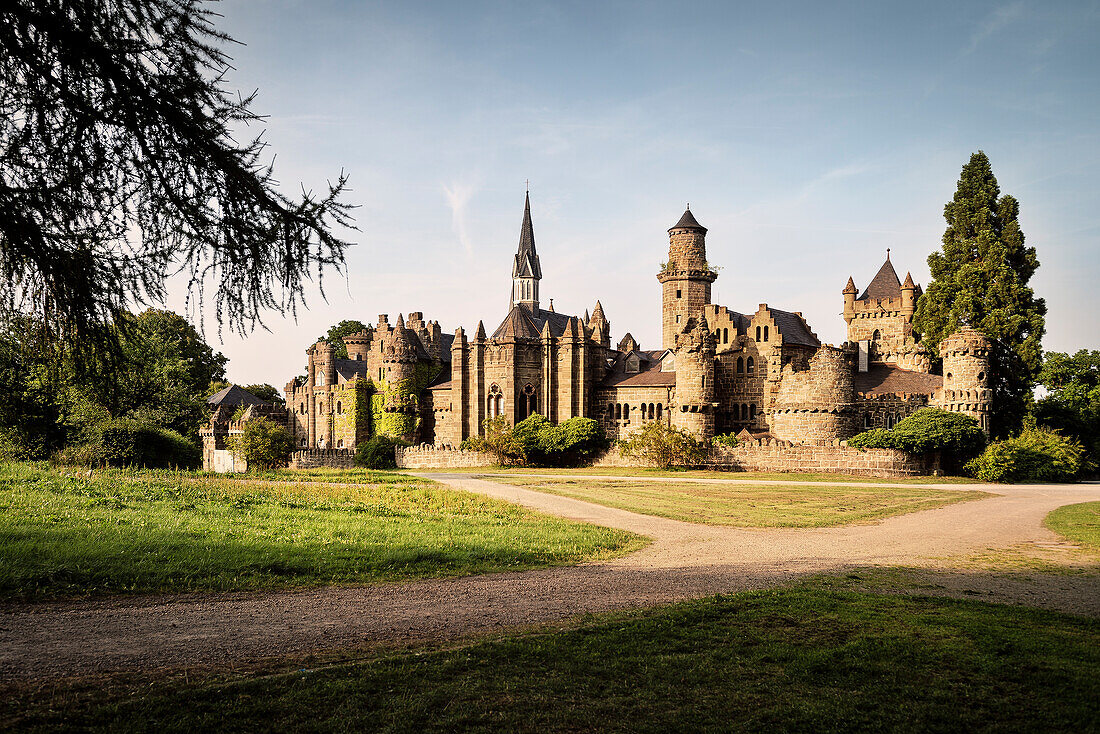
{"points": [[981, 376], [949, 377], [618, 411], [651, 409], [752, 411], [750, 366], [528, 404], [320, 382], [876, 335], [496, 400], [610, 409], [302, 409], [765, 333], [339, 443], [626, 412], [757, 333], [659, 410], [740, 365], [744, 412], [725, 336]]}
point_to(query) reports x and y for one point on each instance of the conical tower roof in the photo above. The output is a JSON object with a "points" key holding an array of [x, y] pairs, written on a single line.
{"points": [[526, 263], [885, 284], [687, 221]]}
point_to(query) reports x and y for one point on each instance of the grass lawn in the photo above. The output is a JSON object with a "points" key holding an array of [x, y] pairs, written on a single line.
{"points": [[708, 474], [74, 533], [796, 659], [1079, 523], [746, 505]]}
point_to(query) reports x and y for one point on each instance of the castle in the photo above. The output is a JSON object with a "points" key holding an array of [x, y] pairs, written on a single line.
{"points": [[761, 374]]}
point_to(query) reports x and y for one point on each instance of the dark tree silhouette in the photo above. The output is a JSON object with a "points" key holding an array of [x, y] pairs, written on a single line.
{"points": [[118, 169]]}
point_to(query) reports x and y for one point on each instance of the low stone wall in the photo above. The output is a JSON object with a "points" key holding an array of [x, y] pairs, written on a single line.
{"points": [[426, 456], [780, 456], [329, 458]]}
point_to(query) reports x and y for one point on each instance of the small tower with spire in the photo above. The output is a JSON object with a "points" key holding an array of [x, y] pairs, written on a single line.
{"points": [[526, 270], [686, 277], [882, 316]]}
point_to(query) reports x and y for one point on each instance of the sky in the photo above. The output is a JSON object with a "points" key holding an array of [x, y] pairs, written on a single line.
{"points": [[807, 137]]}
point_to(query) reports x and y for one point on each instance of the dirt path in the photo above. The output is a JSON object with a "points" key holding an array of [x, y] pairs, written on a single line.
{"points": [[684, 561]]}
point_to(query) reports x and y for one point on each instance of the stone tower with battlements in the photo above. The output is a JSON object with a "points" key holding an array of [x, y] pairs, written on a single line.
{"points": [[966, 375], [695, 386], [882, 318], [685, 278]]}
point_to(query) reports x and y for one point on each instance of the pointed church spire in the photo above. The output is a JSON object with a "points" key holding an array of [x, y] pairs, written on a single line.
{"points": [[526, 270], [597, 314]]}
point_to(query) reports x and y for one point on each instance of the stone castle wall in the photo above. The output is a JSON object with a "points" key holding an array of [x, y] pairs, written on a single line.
{"points": [[426, 456], [316, 458]]}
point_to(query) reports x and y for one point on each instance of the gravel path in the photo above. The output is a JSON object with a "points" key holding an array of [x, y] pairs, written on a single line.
{"points": [[684, 561]]}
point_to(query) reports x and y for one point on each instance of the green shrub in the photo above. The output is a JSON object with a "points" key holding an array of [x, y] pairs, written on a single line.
{"points": [[1037, 454], [957, 437], [729, 440], [12, 447], [664, 446], [263, 444], [535, 441], [377, 452], [129, 442]]}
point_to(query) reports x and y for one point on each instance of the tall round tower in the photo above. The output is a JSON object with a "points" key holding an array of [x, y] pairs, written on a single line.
{"points": [[966, 362], [694, 394], [685, 279]]}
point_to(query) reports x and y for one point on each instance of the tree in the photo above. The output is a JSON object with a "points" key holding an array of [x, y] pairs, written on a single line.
{"points": [[263, 444], [665, 446], [980, 279], [119, 167], [263, 391], [337, 332], [954, 436], [1072, 403]]}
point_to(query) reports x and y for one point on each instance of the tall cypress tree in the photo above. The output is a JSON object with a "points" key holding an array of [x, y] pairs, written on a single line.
{"points": [[980, 279]]}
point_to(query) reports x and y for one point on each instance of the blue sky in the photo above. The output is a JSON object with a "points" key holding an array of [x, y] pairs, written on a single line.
{"points": [[808, 137]]}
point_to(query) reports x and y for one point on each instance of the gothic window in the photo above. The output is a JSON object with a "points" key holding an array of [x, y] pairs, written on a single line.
{"points": [[744, 412], [302, 409], [757, 333], [659, 409], [626, 412], [618, 411], [610, 409], [750, 366], [651, 409], [740, 365], [320, 379], [528, 403], [752, 411], [725, 336], [765, 333], [495, 401]]}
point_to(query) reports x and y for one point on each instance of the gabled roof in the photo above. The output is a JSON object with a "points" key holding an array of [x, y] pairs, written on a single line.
{"points": [[793, 328], [649, 374], [888, 379], [233, 396], [687, 221], [526, 264], [884, 285], [521, 323]]}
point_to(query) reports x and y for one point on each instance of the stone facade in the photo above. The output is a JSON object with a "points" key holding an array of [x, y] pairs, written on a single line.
{"points": [[427, 456], [762, 374]]}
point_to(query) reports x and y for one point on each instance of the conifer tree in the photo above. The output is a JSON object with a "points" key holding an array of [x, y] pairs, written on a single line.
{"points": [[980, 279]]}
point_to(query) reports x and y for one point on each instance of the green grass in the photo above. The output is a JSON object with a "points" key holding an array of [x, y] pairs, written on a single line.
{"points": [[66, 533], [1079, 523], [710, 474], [746, 505], [797, 659]]}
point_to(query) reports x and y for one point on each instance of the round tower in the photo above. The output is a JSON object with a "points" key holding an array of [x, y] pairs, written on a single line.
{"points": [[322, 364], [685, 279], [849, 301], [358, 344], [816, 405], [694, 393], [966, 363], [400, 360]]}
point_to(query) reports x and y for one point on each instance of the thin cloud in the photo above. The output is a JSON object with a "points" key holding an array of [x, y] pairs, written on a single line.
{"points": [[458, 199], [994, 22]]}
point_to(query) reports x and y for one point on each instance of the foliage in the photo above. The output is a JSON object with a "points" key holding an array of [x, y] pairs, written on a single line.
{"points": [[664, 446], [981, 279], [128, 442], [729, 440], [1072, 403], [805, 658], [65, 533], [270, 393], [119, 166], [337, 332], [955, 436], [264, 444], [377, 452], [1036, 455], [535, 441]]}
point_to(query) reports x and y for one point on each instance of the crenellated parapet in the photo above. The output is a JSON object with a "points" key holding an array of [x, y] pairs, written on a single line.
{"points": [[966, 356], [816, 402]]}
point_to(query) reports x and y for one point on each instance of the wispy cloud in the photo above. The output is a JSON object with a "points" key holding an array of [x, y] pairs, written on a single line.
{"points": [[995, 21], [458, 196]]}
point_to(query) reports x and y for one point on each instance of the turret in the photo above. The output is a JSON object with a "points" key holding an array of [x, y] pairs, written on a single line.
{"points": [[908, 298], [850, 292], [359, 343], [694, 394], [526, 270], [322, 364], [966, 368], [600, 326], [686, 277]]}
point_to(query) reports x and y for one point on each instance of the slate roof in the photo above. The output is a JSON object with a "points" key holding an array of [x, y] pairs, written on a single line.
{"points": [[885, 284], [687, 221], [793, 328], [526, 264], [233, 396], [888, 379], [649, 374], [521, 323]]}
